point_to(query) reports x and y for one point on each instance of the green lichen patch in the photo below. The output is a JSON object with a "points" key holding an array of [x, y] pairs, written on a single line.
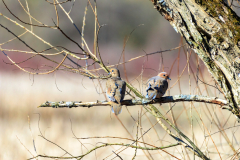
{"points": [[225, 15], [220, 35], [212, 7]]}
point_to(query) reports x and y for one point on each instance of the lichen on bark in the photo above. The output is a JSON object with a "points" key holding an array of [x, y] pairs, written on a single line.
{"points": [[212, 30]]}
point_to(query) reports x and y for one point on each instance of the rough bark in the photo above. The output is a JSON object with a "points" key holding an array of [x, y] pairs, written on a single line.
{"points": [[212, 30]]}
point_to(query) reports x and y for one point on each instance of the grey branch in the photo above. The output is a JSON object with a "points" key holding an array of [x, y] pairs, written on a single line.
{"points": [[132, 102]]}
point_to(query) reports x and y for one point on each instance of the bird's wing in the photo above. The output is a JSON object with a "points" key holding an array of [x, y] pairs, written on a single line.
{"points": [[161, 87], [152, 88], [120, 91], [111, 89]]}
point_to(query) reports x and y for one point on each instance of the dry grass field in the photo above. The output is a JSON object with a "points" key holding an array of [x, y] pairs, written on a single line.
{"points": [[27, 131], [22, 122]]}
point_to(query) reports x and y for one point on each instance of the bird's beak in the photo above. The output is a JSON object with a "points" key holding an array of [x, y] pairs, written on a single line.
{"points": [[169, 78]]}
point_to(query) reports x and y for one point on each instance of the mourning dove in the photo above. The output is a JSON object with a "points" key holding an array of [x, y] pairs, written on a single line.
{"points": [[157, 86], [116, 88]]}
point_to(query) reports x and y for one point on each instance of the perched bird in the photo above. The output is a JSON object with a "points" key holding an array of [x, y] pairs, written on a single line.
{"points": [[157, 86], [116, 88]]}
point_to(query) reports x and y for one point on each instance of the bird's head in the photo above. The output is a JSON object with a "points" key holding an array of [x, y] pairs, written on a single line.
{"points": [[164, 75], [114, 72]]}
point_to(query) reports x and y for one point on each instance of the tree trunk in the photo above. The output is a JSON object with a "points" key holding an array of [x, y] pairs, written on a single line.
{"points": [[212, 30]]}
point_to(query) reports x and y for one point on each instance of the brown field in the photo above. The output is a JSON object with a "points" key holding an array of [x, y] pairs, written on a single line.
{"points": [[54, 131]]}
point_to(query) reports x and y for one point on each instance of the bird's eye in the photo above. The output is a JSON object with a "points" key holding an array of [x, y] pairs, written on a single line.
{"points": [[164, 75], [112, 70]]}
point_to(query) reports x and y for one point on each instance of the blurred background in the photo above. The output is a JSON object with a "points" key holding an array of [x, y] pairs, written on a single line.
{"points": [[21, 93]]}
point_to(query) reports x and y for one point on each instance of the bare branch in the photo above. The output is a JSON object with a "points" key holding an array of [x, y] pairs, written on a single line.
{"points": [[133, 102], [111, 144], [59, 2], [23, 21]]}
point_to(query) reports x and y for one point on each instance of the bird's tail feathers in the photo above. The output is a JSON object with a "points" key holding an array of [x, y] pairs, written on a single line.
{"points": [[116, 108]]}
